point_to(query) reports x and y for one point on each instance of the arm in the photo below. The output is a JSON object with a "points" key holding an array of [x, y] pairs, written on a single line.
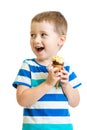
{"points": [[71, 93], [27, 96]]}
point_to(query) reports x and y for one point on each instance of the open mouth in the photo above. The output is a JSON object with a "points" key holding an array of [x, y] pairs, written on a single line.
{"points": [[39, 49]]}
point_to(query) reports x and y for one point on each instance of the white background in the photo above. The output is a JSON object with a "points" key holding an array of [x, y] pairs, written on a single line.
{"points": [[15, 16]]}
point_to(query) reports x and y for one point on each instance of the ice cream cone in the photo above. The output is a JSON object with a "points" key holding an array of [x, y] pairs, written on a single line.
{"points": [[60, 67], [58, 62]]}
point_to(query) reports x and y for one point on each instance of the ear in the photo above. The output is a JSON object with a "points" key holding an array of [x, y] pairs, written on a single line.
{"points": [[62, 39]]}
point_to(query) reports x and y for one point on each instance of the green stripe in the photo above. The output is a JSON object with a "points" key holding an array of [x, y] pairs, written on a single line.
{"points": [[47, 127], [37, 82]]}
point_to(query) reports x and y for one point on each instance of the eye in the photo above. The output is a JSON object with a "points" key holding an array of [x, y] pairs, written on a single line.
{"points": [[32, 35], [43, 34]]}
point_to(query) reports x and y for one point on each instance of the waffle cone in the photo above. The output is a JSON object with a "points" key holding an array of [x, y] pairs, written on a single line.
{"points": [[60, 67], [58, 62]]}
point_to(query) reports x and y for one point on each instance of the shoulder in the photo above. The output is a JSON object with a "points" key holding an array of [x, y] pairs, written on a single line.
{"points": [[30, 62], [26, 63]]}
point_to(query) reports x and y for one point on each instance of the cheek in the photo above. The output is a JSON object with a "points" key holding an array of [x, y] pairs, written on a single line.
{"points": [[31, 43]]}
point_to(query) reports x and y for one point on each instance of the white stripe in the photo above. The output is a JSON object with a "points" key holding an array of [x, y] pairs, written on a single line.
{"points": [[25, 66], [39, 75], [56, 91], [74, 82], [46, 120], [49, 105], [30, 62], [23, 79]]}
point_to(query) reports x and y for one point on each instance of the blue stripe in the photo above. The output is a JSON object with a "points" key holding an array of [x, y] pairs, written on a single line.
{"points": [[15, 84], [47, 127], [23, 72], [77, 85], [67, 68], [53, 97], [38, 69], [46, 112], [72, 76]]}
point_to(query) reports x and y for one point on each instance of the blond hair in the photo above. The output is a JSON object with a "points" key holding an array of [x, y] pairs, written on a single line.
{"points": [[55, 17]]}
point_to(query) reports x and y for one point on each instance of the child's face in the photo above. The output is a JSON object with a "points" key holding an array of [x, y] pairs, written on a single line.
{"points": [[44, 41]]}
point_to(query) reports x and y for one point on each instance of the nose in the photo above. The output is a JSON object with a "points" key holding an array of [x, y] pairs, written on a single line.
{"points": [[37, 39]]}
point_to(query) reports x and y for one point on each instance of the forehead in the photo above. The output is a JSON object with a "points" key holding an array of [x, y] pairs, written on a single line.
{"points": [[44, 25]]}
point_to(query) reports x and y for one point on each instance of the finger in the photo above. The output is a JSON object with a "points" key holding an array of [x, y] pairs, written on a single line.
{"points": [[49, 67], [64, 72], [58, 74], [63, 81], [56, 70]]}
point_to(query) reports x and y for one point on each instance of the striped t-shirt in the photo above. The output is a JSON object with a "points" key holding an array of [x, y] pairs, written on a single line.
{"points": [[50, 112]]}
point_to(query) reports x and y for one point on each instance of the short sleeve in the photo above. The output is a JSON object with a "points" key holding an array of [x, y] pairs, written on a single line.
{"points": [[73, 79], [24, 76]]}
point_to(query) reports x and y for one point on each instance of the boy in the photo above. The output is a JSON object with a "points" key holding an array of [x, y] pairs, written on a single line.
{"points": [[45, 107]]}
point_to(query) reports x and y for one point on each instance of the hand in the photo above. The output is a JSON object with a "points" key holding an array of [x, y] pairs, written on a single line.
{"points": [[53, 75], [64, 77]]}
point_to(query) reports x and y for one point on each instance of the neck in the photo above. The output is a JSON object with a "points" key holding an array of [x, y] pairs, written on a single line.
{"points": [[44, 62]]}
